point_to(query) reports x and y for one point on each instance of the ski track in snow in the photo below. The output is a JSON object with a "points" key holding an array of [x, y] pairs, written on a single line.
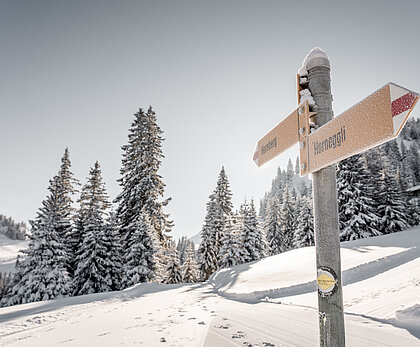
{"points": [[381, 297]]}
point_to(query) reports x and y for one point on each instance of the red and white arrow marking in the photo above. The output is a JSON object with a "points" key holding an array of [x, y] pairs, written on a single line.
{"points": [[402, 101]]}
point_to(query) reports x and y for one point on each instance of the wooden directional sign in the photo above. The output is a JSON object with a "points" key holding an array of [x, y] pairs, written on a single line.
{"points": [[375, 120], [283, 136]]}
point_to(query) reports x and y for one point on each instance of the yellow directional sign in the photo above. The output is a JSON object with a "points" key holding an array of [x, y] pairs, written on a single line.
{"points": [[375, 120], [325, 282]]}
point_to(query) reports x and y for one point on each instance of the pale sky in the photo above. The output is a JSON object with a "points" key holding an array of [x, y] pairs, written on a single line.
{"points": [[219, 74]]}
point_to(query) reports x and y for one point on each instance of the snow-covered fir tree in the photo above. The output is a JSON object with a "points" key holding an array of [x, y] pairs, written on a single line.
{"points": [[407, 174], [66, 186], [287, 221], [415, 162], [219, 210], [189, 267], [97, 264], [290, 173], [42, 274], [173, 269], [138, 260], [231, 252], [181, 248], [223, 198], [207, 251], [392, 210], [355, 204], [272, 230], [297, 168], [252, 237], [140, 203], [304, 232]]}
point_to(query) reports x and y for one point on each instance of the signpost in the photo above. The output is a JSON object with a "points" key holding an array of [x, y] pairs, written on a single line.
{"points": [[375, 120]]}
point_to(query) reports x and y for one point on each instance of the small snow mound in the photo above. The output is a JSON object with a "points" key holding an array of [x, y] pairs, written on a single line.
{"points": [[411, 313], [313, 54]]}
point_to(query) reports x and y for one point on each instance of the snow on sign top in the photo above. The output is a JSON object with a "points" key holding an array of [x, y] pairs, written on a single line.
{"points": [[315, 53]]}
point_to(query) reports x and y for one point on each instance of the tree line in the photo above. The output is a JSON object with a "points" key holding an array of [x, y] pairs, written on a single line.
{"points": [[91, 248], [373, 199]]}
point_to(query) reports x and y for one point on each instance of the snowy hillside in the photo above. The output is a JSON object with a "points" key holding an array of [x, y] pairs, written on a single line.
{"points": [[9, 250], [268, 303]]}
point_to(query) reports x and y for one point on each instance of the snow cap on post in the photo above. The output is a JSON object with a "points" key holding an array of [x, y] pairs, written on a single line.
{"points": [[316, 57]]}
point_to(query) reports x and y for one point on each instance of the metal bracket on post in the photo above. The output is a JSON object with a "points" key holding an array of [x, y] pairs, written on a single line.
{"points": [[303, 132]]}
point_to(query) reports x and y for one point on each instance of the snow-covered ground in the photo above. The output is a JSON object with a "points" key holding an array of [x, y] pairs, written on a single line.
{"points": [[268, 303], [8, 252]]}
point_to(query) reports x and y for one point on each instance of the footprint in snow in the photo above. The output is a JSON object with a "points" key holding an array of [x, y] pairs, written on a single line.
{"points": [[133, 326], [105, 333], [238, 335], [162, 339], [192, 318], [223, 326], [69, 340], [202, 323], [267, 344]]}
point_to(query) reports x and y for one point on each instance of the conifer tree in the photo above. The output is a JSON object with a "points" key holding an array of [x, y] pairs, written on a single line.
{"points": [[140, 203], [181, 248], [66, 188], [189, 267], [207, 251], [231, 252], [219, 210], [356, 207], [392, 209], [407, 174], [273, 233], [415, 162], [304, 233], [97, 264], [297, 168], [290, 171], [251, 235], [287, 220], [138, 261], [42, 274], [223, 198], [173, 269]]}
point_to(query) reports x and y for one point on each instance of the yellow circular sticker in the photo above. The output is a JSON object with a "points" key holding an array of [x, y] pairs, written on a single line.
{"points": [[326, 281]]}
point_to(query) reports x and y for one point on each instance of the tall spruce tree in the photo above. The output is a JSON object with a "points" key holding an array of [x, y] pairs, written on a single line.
{"points": [[415, 162], [392, 209], [287, 220], [207, 251], [97, 258], [355, 205], [219, 210], [140, 203], [272, 229], [251, 235], [189, 267], [138, 260], [42, 274], [304, 232], [231, 252], [173, 269]]}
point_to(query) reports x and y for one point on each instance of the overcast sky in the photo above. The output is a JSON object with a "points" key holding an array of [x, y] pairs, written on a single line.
{"points": [[219, 74]]}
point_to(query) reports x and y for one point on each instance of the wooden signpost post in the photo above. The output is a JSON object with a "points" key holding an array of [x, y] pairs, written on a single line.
{"points": [[375, 120]]}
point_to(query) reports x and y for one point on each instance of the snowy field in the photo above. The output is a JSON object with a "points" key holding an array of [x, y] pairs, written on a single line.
{"points": [[268, 303]]}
